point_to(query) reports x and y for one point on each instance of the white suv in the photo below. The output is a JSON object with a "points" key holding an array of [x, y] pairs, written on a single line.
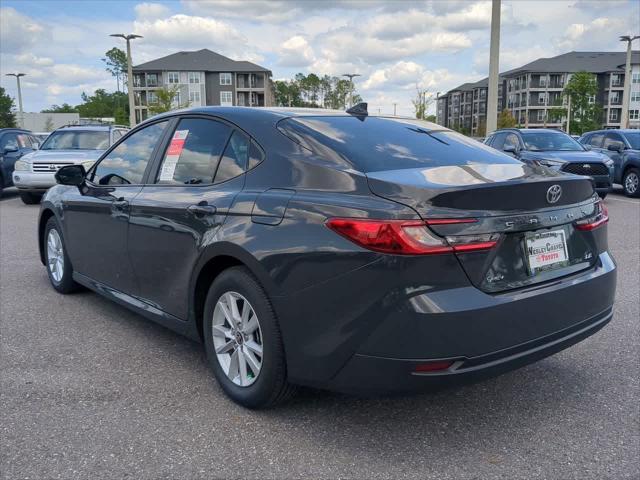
{"points": [[77, 144]]}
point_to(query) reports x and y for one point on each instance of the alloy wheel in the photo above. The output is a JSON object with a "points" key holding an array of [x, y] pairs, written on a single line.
{"points": [[631, 183], [237, 339], [55, 255]]}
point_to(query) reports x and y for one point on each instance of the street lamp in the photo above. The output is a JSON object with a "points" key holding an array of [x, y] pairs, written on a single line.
{"points": [[128, 38], [624, 121], [494, 53], [18, 75], [350, 77]]}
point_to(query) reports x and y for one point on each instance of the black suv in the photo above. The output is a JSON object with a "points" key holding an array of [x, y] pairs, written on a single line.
{"points": [[623, 147], [557, 150], [14, 143]]}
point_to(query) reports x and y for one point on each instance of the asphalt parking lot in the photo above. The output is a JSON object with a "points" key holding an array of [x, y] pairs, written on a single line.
{"points": [[90, 390]]}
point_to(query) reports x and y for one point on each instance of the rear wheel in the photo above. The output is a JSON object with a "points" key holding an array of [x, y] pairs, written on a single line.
{"points": [[29, 198], [631, 182], [57, 261], [243, 341]]}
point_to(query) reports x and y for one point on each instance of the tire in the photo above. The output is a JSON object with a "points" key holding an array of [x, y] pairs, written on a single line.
{"points": [[631, 183], [61, 283], [29, 198], [602, 195], [269, 386]]}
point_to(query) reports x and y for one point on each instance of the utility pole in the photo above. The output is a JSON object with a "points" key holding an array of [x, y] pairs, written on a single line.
{"points": [[132, 108], [624, 121], [394, 109], [494, 54], [350, 77], [568, 114], [18, 75]]}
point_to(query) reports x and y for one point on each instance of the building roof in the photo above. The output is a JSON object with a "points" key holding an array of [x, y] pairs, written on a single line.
{"points": [[200, 60], [571, 62], [465, 87]]}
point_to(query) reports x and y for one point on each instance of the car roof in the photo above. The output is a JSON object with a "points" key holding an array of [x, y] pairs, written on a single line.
{"points": [[527, 130], [14, 129], [608, 130]]}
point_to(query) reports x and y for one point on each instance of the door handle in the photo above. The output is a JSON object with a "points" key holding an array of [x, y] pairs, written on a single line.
{"points": [[202, 209], [120, 204]]}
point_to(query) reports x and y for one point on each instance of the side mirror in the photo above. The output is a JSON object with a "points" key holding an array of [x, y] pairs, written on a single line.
{"points": [[510, 149], [10, 150], [615, 147], [71, 175]]}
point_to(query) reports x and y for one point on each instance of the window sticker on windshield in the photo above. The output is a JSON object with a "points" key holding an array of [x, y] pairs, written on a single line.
{"points": [[173, 155]]}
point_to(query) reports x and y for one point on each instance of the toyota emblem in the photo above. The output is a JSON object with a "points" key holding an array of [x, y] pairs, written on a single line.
{"points": [[586, 166], [554, 193]]}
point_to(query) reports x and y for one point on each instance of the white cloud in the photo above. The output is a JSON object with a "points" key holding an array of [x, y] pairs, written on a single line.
{"points": [[406, 75], [150, 11], [295, 52], [18, 32], [598, 33], [30, 59]]}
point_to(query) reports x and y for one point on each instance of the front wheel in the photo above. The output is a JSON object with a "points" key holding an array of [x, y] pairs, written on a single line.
{"points": [[57, 261], [29, 198], [631, 182], [243, 341]]}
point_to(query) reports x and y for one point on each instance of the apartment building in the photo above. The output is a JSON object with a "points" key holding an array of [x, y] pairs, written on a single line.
{"points": [[201, 78], [530, 91]]}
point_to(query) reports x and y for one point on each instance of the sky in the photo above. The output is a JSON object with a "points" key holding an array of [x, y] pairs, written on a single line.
{"points": [[396, 46]]}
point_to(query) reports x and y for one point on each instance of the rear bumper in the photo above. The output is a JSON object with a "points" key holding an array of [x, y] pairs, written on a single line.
{"points": [[366, 331], [33, 182]]}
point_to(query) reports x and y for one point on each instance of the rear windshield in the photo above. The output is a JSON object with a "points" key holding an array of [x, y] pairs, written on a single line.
{"points": [[77, 140], [374, 144]]}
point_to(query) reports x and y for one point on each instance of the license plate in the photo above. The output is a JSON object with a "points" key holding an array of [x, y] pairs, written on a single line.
{"points": [[546, 250]]}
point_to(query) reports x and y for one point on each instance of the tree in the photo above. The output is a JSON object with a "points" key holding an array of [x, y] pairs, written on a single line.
{"points": [[313, 91], [166, 98], [116, 62], [64, 108], [506, 120], [584, 114], [101, 104], [421, 103], [431, 118], [7, 117]]}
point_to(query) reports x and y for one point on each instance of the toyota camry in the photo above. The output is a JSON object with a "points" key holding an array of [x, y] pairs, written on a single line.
{"points": [[338, 250]]}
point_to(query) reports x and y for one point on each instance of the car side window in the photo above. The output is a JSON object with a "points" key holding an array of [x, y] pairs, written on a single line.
{"points": [[612, 139], [9, 141], [126, 163], [499, 140], [194, 152], [117, 135], [256, 155], [512, 139], [595, 140], [234, 159]]}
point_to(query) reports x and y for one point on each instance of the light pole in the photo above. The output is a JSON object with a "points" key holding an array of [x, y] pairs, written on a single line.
{"points": [[394, 109], [132, 111], [18, 75], [494, 54], [624, 121], [350, 77]]}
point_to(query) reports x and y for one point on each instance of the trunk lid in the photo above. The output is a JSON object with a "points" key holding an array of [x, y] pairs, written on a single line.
{"points": [[512, 201]]}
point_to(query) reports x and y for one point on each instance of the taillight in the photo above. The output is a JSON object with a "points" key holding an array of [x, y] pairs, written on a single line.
{"points": [[402, 237], [600, 217]]}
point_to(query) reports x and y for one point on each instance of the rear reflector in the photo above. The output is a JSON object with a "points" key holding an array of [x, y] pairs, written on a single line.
{"points": [[433, 366], [401, 237], [600, 217]]}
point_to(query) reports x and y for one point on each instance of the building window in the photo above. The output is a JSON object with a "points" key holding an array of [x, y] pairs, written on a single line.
{"points": [[543, 81], [194, 77], [226, 98], [194, 97], [635, 78], [613, 115], [152, 98], [173, 77], [541, 115], [225, 79], [634, 114], [542, 97], [591, 99], [152, 80], [635, 96], [614, 97], [616, 80]]}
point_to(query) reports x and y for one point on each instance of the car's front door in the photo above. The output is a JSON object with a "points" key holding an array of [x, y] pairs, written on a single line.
{"points": [[13, 145], [96, 215], [176, 217], [614, 140]]}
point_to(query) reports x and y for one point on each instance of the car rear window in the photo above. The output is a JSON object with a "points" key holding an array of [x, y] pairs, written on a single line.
{"points": [[373, 144]]}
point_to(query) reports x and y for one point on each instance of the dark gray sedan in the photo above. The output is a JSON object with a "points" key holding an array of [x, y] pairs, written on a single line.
{"points": [[336, 250]]}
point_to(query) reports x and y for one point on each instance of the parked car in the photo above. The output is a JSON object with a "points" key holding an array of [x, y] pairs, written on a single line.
{"points": [[623, 147], [557, 150], [77, 144], [347, 252], [14, 143], [41, 136]]}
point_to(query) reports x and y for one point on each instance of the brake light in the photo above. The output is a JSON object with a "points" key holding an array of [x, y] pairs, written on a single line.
{"points": [[597, 220], [402, 237], [433, 366]]}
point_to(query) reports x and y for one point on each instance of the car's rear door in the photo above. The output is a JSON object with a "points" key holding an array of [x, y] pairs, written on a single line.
{"points": [[178, 213], [96, 215]]}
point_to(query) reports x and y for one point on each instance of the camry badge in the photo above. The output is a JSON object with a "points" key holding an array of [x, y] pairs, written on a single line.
{"points": [[554, 193]]}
